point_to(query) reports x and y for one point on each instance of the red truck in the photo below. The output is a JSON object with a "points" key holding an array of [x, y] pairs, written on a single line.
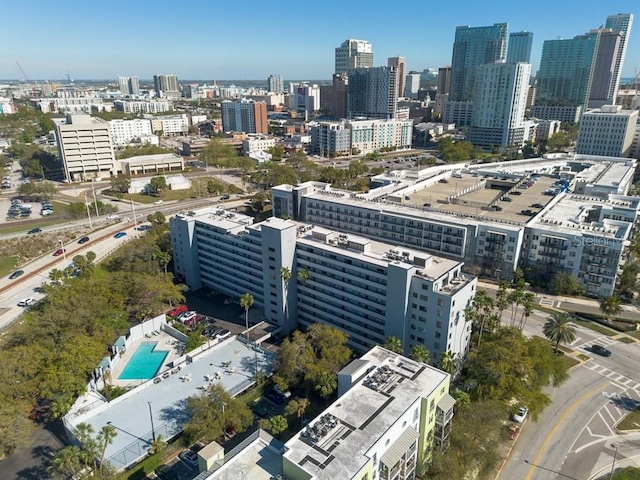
{"points": [[177, 310]]}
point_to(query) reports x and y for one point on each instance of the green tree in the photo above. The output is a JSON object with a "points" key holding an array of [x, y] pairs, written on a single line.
{"points": [[163, 258], [257, 201], [558, 329], [303, 276], [217, 153], [528, 302], [105, 438], [394, 344], [326, 384], [121, 183], [246, 302], [67, 462], [610, 306], [448, 363], [285, 275], [481, 312], [297, 406], [565, 284], [420, 354], [278, 425], [214, 187], [158, 184]]}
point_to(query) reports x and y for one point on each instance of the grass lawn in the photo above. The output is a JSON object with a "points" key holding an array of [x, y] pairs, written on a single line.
{"points": [[630, 422], [583, 357], [596, 327], [7, 265], [570, 361], [635, 334], [198, 189], [625, 339]]}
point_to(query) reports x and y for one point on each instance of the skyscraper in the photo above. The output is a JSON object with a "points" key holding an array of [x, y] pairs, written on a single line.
{"points": [[401, 65], [353, 54], [372, 92], [128, 85], [275, 83], [499, 105], [244, 116], [604, 69], [566, 70], [474, 46], [519, 49], [166, 86], [622, 23]]}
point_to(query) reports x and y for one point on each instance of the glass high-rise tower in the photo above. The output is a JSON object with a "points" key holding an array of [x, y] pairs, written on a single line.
{"points": [[474, 46], [622, 23]]}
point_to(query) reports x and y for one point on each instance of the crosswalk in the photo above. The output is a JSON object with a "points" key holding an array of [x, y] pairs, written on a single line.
{"points": [[617, 379], [603, 340]]}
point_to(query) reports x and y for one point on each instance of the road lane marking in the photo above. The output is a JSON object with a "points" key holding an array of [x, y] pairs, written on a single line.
{"points": [[561, 420]]}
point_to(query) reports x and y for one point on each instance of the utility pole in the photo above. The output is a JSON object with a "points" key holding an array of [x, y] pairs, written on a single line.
{"points": [[86, 204], [95, 199], [153, 430]]}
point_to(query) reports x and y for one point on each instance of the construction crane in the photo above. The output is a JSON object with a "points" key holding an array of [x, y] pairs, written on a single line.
{"points": [[34, 90]]}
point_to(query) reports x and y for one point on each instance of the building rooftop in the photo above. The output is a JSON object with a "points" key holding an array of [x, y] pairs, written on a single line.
{"points": [[334, 445]]}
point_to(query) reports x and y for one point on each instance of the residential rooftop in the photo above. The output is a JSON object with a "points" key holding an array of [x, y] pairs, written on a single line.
{"points": [[334, 445]]}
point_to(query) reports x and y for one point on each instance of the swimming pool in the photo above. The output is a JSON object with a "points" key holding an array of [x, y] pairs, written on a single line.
{"points": [[145, 362]]}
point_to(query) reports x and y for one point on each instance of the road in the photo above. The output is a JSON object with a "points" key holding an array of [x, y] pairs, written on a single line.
{"points": [[102, 243], [573, 437]]}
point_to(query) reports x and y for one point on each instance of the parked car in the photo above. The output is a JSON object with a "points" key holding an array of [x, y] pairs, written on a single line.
{"points": [[177, 310], [158, 202], [112, 217], [507, 199], [59, 252], [34, 230], [16, 274], [286, 394], [260, 409], [165, 472], [600, 350], [188, 457], [274, 397], [187, 317], [225, 197], [27, 302], [224, 333], [83, 240], [520, 415], [119, 234]]}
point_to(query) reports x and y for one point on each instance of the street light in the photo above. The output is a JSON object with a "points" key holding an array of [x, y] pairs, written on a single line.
{"points": [[86, 203], [615, 455]]}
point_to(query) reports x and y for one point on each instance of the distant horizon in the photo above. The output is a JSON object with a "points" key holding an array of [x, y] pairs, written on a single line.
{"points": [[253, 41]]}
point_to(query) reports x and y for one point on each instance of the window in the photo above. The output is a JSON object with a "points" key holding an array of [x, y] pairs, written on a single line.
{"points": [[440, 302]]}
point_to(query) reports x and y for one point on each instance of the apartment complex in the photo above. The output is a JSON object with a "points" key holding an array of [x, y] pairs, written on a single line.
{"points": [[499, 106], [368, 289], [143, 106], [607, 131], [391, 414], [85, 147], [400, 64], [373, 92], [519, 48], [335, 139], [256, 144], [622, 22], [245, 116], [124, 132], [484, 216], [353, 54], [275, 84], [166, 86], [129, 85], [171, 125]]}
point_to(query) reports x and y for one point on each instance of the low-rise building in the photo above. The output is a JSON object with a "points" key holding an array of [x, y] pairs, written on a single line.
{"points": [[171, 125], [124, 132], [257, 143], [607, 131]]}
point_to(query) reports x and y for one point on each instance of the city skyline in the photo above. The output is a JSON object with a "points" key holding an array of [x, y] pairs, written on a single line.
{"points": [[203, 44]]}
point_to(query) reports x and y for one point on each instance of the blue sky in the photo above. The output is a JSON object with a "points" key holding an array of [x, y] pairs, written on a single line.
{"points": [[249, 40]]}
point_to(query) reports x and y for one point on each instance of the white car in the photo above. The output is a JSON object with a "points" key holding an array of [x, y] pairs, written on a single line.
{"points": [[158, 202], [520, 415], [27, 302], [112, 217]]}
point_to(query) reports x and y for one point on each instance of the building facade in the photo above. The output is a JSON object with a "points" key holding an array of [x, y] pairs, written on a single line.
{"points": [[622, 23], [257, 143], [353, 54], [171, 125], [244, 116], [143, 106], [372, 92], [499, 106], [474, 46], [129, 85], [607, 131], [401, 66], [368, 289], [166, 86], [124, 132], [519, 48], [604, 70], [85, 147], [275, 83]]}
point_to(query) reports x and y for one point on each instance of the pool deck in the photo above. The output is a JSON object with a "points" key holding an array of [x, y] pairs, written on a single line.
{"points": [[164, 342], [163, 400]]}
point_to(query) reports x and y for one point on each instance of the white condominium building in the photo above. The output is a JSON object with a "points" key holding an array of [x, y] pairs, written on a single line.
{"points": [[368, 289], [257, 143], [124, 132], [85, 148], [147, 106], [171, 124]]}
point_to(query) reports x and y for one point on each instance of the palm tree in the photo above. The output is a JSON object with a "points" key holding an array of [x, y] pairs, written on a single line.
{"points": [[326, 384], [303, 276], [483, 306], [394, 344], [246, 302], [515, 298], [448, 363], [105, 438], [298, 406], [502, 297], [558, 329], [278, 424], [420, 354], [285, 275], [66, 462], [527, 308], [163, 258], [610, 306]]}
